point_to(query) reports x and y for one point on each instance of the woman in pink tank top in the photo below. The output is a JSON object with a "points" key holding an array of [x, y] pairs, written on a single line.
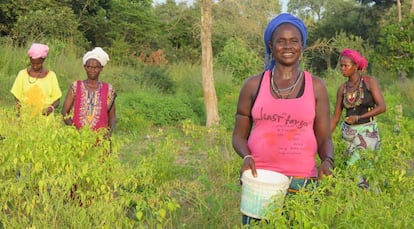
{"points": [[282, 118]]}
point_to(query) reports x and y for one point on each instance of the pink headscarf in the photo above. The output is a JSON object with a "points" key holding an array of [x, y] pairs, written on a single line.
{"points": [[356, 57], [38, 51]]}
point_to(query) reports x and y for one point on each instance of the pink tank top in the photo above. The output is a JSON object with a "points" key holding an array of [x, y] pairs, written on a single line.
{"points": [[282, 138]]}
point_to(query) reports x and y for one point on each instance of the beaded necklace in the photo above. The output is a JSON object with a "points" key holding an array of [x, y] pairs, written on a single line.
{"points": [[30, 76], [32, 82], [280, 93], [352, 99], [92, 100]]}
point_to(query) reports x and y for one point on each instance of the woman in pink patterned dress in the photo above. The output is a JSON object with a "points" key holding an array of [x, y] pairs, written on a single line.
{"points": [[91, 103]]}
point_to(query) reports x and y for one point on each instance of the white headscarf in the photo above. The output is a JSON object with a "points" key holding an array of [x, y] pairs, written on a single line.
{"points": [[97, 53]]}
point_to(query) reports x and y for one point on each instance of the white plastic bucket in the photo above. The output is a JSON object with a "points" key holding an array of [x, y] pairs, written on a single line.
{"points": [[262, 193]]}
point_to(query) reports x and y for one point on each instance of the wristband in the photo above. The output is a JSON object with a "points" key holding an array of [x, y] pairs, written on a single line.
{"points": [[247, 156], [52, 107]]}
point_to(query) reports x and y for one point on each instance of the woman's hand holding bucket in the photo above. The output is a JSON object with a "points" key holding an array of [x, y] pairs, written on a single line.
{"points": [[248, 163]]}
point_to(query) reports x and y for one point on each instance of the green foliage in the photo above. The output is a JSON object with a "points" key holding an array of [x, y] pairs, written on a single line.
{"points": [[93, 19], [167, 170], [131, 21], [227, 106], [181, 30], [241, 61], [396, 48], [327, 51], [54, 176], [342, 41], [244, 20], [159, 78], [314, 8], [47, 23], [161, 110]]}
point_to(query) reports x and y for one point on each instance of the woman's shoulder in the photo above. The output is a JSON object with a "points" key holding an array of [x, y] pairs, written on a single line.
{"points": [[316, 80], [51, 74], [22, 72], [254, 80], [109, 85], [369, 79], [111, 88], [75, 83]]}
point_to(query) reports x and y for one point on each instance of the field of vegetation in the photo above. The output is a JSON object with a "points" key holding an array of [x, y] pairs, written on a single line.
{"points": [[167, 170]]}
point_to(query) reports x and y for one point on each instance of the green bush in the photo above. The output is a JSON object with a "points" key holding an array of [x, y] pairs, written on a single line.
{"points": [[159, 109], [158, 77], [54, 176], [395, 50], [49, 23], [239, 59]]}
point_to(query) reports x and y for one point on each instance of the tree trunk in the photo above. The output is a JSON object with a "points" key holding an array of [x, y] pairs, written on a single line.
{"points": [[399, 10], [209, 91], [412, 7]]}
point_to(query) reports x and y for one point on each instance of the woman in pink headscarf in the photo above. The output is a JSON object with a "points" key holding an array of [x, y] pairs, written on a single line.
{"points": [[36, 89], [362, 99]]}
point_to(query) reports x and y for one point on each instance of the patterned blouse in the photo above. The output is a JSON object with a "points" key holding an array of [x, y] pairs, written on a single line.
{"points": [[92, 106]]}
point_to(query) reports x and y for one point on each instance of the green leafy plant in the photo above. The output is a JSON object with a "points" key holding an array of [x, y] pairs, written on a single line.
{"points": [[239, 59]]}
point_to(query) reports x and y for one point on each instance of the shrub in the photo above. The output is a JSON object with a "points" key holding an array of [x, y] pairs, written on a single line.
{"points": [[54, 176], [158, 77], [160, 110], [239, 59]]}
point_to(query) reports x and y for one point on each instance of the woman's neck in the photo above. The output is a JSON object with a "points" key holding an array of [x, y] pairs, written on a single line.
{"points": [[354, 78], [39, 73], [92, 81], [92, 84], [286, 73]]}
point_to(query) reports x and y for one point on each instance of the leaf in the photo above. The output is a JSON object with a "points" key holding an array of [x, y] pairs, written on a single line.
{"points": [[163, 213], [139, 215]]}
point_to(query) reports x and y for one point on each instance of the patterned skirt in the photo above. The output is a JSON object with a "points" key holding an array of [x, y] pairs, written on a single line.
{"points": [[360, 137]]}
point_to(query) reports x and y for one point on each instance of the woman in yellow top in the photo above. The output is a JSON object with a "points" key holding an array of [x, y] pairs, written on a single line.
{"points": [[36, 88]]}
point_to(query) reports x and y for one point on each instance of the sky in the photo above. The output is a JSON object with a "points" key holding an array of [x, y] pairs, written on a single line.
{"points": [[284, 3]]}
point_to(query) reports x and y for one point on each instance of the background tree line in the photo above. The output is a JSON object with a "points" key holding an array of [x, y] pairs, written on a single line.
{"points": [[132, 30]]}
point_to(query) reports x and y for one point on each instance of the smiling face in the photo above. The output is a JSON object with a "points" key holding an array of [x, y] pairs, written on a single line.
{"points": [[286, 44], [93, 68]]}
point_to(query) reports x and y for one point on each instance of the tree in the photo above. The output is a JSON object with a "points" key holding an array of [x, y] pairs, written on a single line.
{"points": [[92, 16], [412, 7], [134, 21], [399, 10], [241, 61], [41, 20], [243, 19], [180, 23], [396, 48], [209, 92], [309, 9]]}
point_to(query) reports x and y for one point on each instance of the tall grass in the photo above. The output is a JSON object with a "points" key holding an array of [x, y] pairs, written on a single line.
{"points": [[172, 172]]}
